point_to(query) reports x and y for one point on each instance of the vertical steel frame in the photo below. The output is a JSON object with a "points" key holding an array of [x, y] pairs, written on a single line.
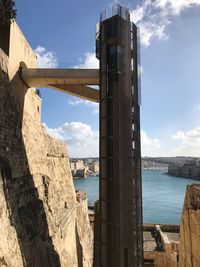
{"points": [[121, 238]]}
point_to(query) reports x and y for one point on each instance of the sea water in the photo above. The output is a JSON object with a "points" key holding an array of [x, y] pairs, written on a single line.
{"points": [[163, 195]]}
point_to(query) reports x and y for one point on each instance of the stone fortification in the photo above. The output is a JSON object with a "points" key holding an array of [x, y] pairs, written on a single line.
{"points": [[190, 169], [42, 221], [189, 252]]}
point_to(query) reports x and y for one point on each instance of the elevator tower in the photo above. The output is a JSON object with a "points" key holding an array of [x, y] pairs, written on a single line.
{"points": [[121, 238]]}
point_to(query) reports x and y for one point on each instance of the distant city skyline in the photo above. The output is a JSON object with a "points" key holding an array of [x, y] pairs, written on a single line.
{"points": [[64, 36]]}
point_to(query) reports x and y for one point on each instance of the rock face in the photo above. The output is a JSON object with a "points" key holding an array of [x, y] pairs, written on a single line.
{"points": [[189, 252], [190, 169], [42, 221]]}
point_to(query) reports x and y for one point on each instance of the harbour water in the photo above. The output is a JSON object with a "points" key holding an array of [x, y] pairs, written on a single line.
{"points": [[163, 195]]}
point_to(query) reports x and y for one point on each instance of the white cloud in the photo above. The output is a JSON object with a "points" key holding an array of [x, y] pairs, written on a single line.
{"points": [[90, 62], [153, 17], [179, 144], [81, 139], [175, 7], [198, 107], [188, 143], [149, 146], [93, 105], [138, 13], [45, 59]]}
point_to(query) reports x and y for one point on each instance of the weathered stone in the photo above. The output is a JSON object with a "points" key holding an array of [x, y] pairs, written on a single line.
{"points": [[39, 212], [190, 228]]}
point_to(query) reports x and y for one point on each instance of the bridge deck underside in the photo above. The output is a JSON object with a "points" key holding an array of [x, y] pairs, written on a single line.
{"points": [[76, 82]]}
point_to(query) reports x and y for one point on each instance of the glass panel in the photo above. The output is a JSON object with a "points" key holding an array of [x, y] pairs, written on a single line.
{"points": [[111, 30], [109, 106], [109, 126], [110, 168], [126, 257], [132, 64], [109, 147], [103, 15], [110, 87], [114, 58], [133, 144], [132, 89]]}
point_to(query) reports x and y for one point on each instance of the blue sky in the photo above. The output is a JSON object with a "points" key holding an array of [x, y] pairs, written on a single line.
{"points": [[64, 36]]}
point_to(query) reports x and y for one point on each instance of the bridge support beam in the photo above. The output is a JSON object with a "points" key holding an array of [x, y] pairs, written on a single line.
{"points": [[71, 81]]}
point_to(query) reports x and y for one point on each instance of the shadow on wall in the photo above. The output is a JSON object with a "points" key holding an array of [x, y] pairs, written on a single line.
{"points": [[79, 250], [5, 38], [26, 210]]}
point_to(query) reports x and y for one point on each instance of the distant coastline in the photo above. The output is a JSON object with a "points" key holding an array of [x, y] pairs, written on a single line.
{"points": [[184, 167], [155, 169], [188, 169]]}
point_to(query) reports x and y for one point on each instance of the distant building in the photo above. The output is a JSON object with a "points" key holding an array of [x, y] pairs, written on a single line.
{"points": [[94, 167], [78, 168], [76, 164], [153, 165]]}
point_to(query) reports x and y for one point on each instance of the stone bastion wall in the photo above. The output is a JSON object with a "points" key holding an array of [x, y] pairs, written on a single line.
{"points": [[42, 220]]}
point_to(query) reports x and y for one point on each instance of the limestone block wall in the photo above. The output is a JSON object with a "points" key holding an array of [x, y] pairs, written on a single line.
{"points": [[162, 259], [39, 211], [189, 252], [19, 50], [84, 233]]}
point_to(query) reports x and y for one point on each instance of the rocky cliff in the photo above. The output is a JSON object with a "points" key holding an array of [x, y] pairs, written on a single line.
{"points": [[189, 252], [189, 169], [42, 220]]}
